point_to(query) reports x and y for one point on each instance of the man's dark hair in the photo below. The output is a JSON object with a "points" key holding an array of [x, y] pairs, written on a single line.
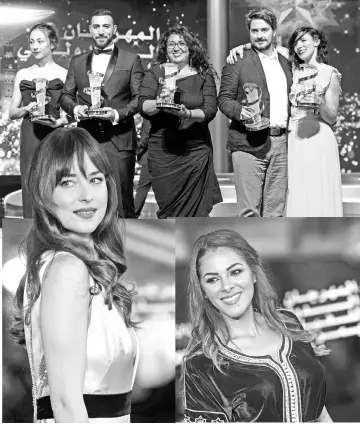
{"points": [[103, 12], [263, 13]]}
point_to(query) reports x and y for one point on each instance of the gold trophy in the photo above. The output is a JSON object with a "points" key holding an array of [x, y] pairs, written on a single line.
{"points": [[37, 113], [254, 102], [95, 79], [307, 87], [166, 97]]}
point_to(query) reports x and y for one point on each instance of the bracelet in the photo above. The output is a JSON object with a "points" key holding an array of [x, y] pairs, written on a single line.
{"points": [[190, 115]]}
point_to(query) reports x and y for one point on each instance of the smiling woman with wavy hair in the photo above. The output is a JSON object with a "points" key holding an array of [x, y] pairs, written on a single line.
{"points": [[247, 360], [73, 311], [198, 56]]}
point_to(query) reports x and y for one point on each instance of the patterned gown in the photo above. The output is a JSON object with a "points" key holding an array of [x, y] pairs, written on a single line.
{"points": [[112, 357], [256, 388]]}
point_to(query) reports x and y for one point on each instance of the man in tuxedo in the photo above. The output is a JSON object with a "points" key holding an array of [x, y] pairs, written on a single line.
{"points": [[259, 157], [115, 130]]}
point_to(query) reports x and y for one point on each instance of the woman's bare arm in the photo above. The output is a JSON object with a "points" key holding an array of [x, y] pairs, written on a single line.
{"points": [[17, 111], [64, 322]]}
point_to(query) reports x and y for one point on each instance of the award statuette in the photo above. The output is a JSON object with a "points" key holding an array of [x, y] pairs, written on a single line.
{"points": [[37, 113], [307, 87], [95, 79], [256, 105], [166, 97]]}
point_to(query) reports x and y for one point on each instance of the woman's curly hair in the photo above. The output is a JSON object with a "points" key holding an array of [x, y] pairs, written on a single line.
{"points": [[198, 57], [316, 34]]}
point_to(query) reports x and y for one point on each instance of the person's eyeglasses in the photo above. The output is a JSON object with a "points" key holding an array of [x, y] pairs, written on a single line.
{"points": [[181, 44]]}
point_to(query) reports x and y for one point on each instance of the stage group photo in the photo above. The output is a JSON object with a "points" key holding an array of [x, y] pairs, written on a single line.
{"points": [[136, 139], [280, 107]]}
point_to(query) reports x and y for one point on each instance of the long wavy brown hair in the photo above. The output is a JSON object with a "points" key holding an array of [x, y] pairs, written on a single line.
{"points": [[207, 322], [54, 159], [198, 57]]}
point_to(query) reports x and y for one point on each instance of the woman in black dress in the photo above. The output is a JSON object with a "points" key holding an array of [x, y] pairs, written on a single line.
{"points": [[43, 40], [180, 154], [247, 360]]}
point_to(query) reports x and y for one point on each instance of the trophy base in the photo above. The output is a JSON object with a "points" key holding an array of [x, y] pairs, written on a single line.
{"points": [[44, 117], [308, 105], [264, 123], [162, 105], [96, 112]]}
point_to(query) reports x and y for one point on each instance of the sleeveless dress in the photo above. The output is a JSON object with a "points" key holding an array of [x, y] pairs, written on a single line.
{"points": [[314, 175], [112, 358], [256, 388], [31, 133]]}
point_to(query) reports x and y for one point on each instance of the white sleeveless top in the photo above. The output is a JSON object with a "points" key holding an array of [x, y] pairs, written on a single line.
{"points": [[112, 350]]}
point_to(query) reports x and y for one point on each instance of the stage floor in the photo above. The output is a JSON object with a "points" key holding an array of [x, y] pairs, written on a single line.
{"points": [[350, 183]]}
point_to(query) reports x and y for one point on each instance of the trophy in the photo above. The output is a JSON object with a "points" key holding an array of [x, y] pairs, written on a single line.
{"points": [[166, 97], [37, 113], [95, 79], [307, 87], [254, 102]]}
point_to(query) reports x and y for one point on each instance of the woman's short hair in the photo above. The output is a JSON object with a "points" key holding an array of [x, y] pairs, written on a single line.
{"points": [[263, 13], [316, 34], [50, 30]]}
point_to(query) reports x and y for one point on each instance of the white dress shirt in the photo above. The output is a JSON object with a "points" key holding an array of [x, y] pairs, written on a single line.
{"points": [[277, 86], [100, 62]]}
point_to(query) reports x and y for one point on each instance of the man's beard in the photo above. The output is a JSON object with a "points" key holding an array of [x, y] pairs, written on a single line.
{"points": [[103, 46], [263, 47]]}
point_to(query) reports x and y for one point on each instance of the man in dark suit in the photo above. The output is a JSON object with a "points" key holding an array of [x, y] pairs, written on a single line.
{"points": [[259, 157], [115, 130]]}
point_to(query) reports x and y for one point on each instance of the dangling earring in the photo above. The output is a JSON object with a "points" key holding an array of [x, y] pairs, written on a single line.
{"points": [[255, 280]]}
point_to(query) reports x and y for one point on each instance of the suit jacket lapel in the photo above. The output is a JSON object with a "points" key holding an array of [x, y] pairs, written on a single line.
{"points": [[88, 66], [258, 65], [111, 66]]}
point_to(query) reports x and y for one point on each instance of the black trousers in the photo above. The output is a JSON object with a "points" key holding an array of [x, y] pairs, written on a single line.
{"points": [[123, 165]]}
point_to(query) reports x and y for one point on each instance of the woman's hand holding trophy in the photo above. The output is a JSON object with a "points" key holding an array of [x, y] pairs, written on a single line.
{"points": [[166, 99], [309, 94], [37, 109]]}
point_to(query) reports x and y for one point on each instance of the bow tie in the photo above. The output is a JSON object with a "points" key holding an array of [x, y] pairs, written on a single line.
{"points": [[100, 51]]}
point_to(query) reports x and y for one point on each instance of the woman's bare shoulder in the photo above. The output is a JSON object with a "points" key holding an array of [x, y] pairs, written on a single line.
{"points": [[67, 272]]}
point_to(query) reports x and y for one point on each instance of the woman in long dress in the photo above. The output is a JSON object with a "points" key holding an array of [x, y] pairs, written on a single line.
{"points": [[73, 312], [314, 175], [247, 359], [180, 153], [43, 40]]}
